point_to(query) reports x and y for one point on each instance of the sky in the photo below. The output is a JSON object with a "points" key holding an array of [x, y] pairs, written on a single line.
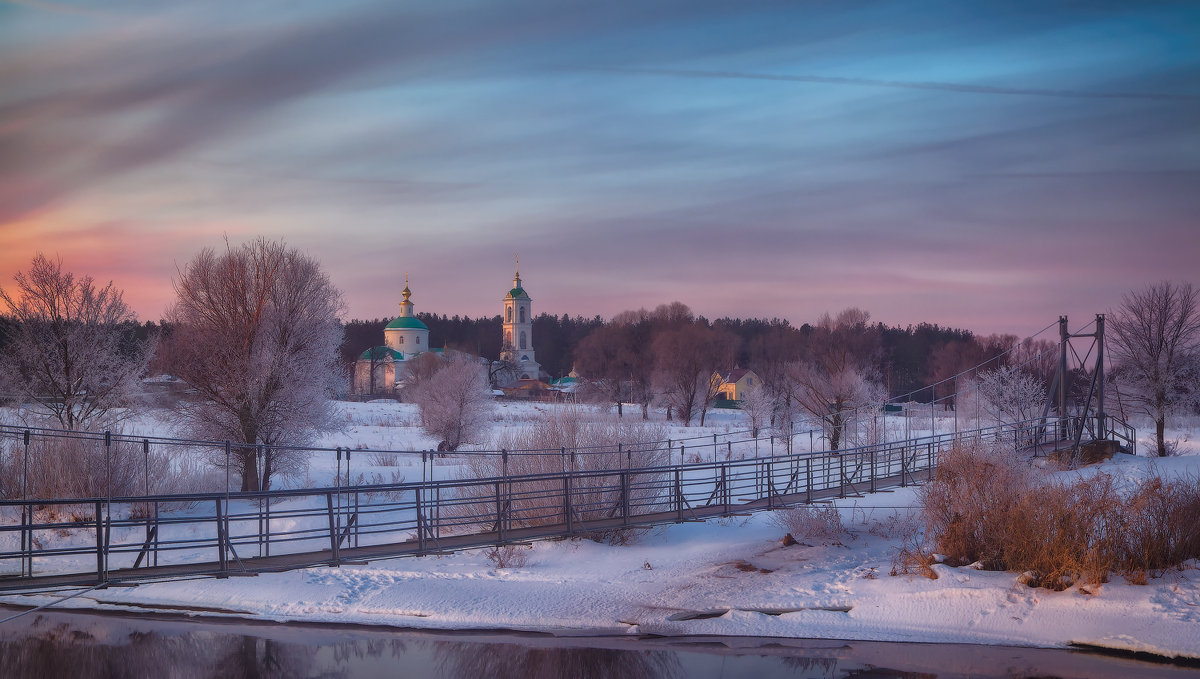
{"points": [[987, 165]]}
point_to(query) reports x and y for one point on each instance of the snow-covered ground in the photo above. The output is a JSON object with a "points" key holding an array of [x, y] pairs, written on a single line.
{"points": [[723, 577]]}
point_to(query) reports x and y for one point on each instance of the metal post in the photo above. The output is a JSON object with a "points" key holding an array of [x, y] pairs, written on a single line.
{"points": [[625, 497], [678, 495], [955, 397], [499, 515], [1064, 337], [841, 476], [1101, 425], [333, 528], [567, 504], [26, 509], [108, 472], [220, 537], [932, 404], [99, 545], [808, 480]]}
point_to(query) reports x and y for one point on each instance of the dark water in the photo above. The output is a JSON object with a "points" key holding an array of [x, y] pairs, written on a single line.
{"points": [[59, 644]]}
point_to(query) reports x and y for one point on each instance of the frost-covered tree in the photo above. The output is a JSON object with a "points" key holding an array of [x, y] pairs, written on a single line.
{"points": [[758, 403], [837, 374], [71, 347], [257, 335], [1010, 394], [455, 401], [1155, 340]]}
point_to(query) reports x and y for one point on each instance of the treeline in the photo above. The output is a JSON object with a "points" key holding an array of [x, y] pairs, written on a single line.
{"points": [[907, 359]]}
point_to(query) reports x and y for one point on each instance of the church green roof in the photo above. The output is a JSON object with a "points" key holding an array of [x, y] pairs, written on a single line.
{"points": [[387, 352], [407, 323], [517, 292]]}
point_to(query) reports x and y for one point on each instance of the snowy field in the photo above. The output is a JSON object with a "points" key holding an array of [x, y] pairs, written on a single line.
{"points": [[722, 577]]}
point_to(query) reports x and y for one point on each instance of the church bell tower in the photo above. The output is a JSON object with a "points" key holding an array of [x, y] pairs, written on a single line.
{"points": [[517, 329]]}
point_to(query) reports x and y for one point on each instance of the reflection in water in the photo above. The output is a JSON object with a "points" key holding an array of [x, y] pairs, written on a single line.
{"points": [[52, 650], [510, 661], [59, 644]]}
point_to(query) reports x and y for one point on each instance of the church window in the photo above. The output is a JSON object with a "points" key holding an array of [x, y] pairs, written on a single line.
{"points": [[508, 314], [402, 339], [418, 339], [522, 314], [523, 347]]}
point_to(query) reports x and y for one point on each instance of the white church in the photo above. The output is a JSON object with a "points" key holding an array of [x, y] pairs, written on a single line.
{"points": [[382, 369]]}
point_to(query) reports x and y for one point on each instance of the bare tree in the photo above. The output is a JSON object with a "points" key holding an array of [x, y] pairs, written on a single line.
{"points": [[418, 370], [378, 360], [1155, 336], [685, 359], [614, 361], [71, 348], [837, 375], [455, 401], [258, 338]]}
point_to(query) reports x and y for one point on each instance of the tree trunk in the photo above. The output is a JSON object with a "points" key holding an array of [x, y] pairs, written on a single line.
{"points": [[835, 432], [249, 468], [1160, 423], [620, 409]]}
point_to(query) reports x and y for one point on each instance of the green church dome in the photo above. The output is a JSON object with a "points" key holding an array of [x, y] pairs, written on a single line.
{"points": [[381, 353], [407, 323]]}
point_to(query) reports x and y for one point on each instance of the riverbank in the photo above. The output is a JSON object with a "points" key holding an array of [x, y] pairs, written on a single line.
{"points": [[730, 577]]}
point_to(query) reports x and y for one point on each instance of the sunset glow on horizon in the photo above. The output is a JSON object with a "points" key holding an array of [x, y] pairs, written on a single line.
{"points": [[977, 165]]}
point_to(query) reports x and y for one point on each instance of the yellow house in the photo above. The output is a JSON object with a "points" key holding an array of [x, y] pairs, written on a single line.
{"points": [[732, 384]]}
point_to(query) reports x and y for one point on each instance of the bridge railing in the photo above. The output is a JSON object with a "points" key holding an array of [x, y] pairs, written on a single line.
{"points": [[101, 539]]}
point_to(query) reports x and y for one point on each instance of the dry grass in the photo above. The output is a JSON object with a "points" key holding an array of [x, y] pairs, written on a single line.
{"points": [[509, 556], [816, 523], [983, 507], [595, 496]]}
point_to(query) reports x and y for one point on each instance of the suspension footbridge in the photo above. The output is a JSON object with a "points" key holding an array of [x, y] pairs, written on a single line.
{"points": [[107, 540]]}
